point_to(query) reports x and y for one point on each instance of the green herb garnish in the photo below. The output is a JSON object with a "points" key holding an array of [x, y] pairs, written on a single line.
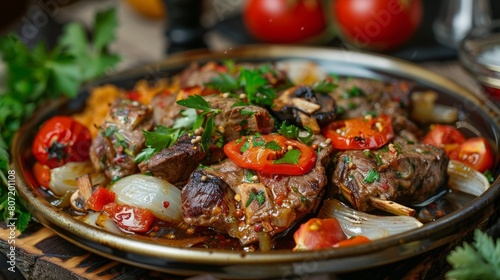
{"points": [[206, 119], [39, 74], [258, 196], [372, 176], [290, 157], [481, 260], [162, 137]]}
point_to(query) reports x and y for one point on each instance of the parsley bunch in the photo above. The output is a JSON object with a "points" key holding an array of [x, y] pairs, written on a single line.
{"points": [[481, 260], [39, 74]]}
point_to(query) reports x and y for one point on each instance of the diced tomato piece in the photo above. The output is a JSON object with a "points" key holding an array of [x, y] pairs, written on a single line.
{"points": [[446, 137], [476, 152], [358, 239], [129, 217], [360, 133], [318, 234], [42, 174], [99, 198]]}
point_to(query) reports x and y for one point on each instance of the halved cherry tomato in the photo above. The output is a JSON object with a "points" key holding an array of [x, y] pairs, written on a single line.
{"points": [[360, 133], [476, 152], [355, 240], [99, 198], [272, 154], [446, 137], [42, 174], [318, 234], [129, 217], [61, 139]]}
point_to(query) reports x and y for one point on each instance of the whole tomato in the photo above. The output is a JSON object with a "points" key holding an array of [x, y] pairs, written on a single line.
{"points": [[378, 25], [61, 139], [284, 21]]}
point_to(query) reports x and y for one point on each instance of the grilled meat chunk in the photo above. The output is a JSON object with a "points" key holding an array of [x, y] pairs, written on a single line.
{"points": [[175, 163], [207, 200], [403, 172], [358, 97], [273, 202], [120, 138], [236, 121]]}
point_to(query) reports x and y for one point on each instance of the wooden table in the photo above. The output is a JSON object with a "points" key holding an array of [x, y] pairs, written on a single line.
{"points": [[40, 254]]}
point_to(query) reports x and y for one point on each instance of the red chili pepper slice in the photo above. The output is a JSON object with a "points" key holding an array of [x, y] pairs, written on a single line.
{"points": [[100, 198], [272, 154]]}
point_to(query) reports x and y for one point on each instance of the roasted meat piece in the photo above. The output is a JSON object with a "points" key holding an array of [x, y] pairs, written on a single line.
{"points": [[244, 206], [175, 163], [120, 138], [403, 172]]}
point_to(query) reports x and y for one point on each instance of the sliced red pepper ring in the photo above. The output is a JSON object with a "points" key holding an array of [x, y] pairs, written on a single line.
{"points": [[360, 133], [272, 154]]}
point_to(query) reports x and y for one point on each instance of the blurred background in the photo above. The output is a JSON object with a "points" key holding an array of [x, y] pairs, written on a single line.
{"points": [[150, 29]]}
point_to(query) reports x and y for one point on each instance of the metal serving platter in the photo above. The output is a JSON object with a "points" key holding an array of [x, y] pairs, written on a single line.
{"points": [[479, 113]]}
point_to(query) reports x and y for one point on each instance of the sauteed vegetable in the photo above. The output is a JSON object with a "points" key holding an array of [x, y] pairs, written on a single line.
{"points": [[252, 153]]}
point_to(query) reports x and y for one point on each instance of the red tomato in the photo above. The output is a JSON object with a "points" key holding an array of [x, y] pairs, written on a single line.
{"points": [[284, 21], [476, 152], [318, 234], [360, 133], [61, 139], [272, 154], [446, 137], [130, 218], [358, 239], [42, 174], [100, 198], [377, 24]]}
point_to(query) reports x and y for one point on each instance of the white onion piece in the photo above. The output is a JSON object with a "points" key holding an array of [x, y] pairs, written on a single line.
{"points": [[102, 221], [301, 71], [425, 109], [159, 196], [354, 222], [63, 178], [466, 179]]}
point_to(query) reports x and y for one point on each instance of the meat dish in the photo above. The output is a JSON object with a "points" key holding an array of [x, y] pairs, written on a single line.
{"points": [[246, 152]]}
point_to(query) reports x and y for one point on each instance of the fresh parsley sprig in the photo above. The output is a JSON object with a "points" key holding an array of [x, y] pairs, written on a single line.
{"points": [[205, 120], [251, 81], [481, 260], [162, 137], [293, 132], [39, 74]]}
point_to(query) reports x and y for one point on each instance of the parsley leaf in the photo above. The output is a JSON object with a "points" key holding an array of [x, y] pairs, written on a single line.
{"points": [[206, 118], [324, 87], [290, 157], [162, 137], [481, 260], [372, 176], [39, 74], [258, 196]]}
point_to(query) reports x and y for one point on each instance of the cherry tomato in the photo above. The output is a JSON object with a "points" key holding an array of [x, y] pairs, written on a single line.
{"points": [[377, 24], [284, 21], [61, 139], [476, 152], [360, 133], [272, 154], [129, 217], [318, 234], [358, 239], [42, 174], [100, 198], [446, 137]]}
